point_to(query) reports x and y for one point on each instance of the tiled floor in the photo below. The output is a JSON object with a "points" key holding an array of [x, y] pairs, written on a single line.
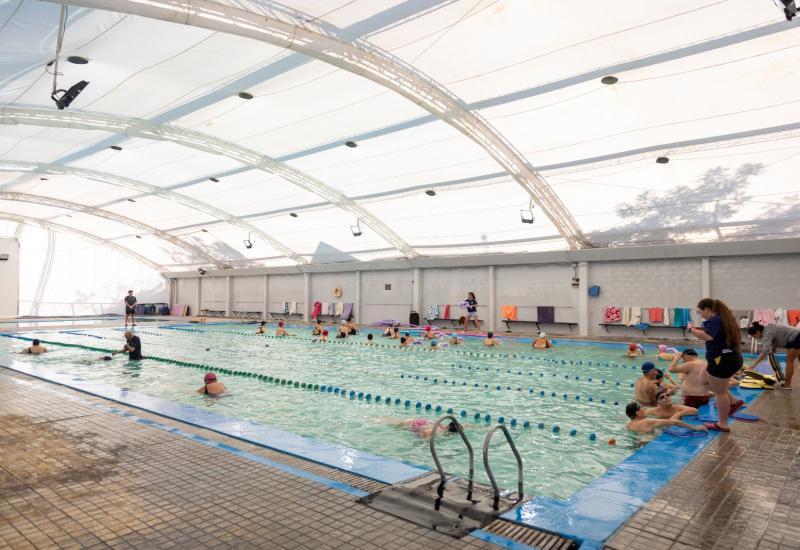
{"points": [[73, 475], [742, 492]]}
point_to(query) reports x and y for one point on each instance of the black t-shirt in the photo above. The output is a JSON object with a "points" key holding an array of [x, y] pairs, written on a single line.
{"points": [[136, 344], [471, 303], [130, 300]]}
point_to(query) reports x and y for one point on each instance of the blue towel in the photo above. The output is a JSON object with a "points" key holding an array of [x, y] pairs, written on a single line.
{"points": [[681, 317], [680, 431]]}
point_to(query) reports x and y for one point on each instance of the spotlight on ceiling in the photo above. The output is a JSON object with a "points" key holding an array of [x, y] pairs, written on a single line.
{"points": [[130, 200], [247, 242], [215, 180], [789, 9], [293, 214], [115, 147], [138, 236], [351, 144], [662, 160], [64, 98], [245, 95], [43, 179], [526, 216], [204, 230], [356, 229], [77, 59], [201, 271], [430, 193], [608, 80]]}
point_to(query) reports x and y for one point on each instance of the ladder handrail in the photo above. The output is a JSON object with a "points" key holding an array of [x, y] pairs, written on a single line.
{"points": [[443, 480], [495, 489]]}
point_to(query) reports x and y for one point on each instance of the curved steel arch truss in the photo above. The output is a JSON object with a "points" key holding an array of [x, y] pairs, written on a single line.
{"points": [[325, 42], [57, 227], [113, 179], [140, 128], [191, 249]]}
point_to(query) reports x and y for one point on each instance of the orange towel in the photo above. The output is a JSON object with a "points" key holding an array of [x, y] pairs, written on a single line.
{"points": [[794, 316], [509, 313]]}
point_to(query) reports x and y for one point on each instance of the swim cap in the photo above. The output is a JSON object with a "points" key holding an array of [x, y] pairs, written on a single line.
{"points": [[454, 335], [647, 366], [280, 323], [210, 377], [406, 334], [434, 342], [107, 358], [343, 322], [662, 348], [690, 351], [542, 335], [632, 347], [324, 332], [427, 328]]}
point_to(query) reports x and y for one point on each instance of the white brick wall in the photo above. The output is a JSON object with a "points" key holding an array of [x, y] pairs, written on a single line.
{"points": [[322, 285], [450, 286], [212, 293], [285, 288], [540, 285], [757, 281], [248, 293], [378, 303]]}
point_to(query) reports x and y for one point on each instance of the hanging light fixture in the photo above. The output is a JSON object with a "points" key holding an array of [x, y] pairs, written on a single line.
{"points": [[247, 242], [356, 229], [526, 215]]}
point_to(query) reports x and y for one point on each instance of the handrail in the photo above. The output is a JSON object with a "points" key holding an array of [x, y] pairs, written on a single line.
{"points": [[495, 490], [443, 480]]}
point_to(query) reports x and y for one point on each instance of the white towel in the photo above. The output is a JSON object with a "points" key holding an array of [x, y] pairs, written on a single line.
{"points": [[781, 318], [339, 308], [324, 309], [666, 316], [626, 316], [636, 316], [292, 307]]}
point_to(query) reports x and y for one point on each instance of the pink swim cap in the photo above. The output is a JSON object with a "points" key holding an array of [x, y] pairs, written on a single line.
{"points": [[210, 377], [280, 323], [427, 328], [662, 348], [324, 332]]}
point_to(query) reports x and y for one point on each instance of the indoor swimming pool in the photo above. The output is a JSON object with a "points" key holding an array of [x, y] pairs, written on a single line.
{"points": [[562, 405]]}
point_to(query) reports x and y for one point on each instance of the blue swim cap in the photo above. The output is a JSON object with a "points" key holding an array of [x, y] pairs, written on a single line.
{"points": [[647, 366], [434, 342]]}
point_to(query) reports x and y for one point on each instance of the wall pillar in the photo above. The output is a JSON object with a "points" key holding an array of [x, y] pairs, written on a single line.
{"points": [[228, 296], [705, 277], [306, 296], [492, 300], [265, 313], [583, 299], [199, 295], [416, 292], [357, 305]]}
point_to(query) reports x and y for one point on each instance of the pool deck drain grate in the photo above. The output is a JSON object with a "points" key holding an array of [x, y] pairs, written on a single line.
{"points": [[530, 536]]}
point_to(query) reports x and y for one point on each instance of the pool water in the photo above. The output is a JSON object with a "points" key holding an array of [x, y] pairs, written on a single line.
{"points": [[573, 386]]}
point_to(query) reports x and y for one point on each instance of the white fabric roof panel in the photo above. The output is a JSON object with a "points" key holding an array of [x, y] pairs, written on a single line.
{"points": [[30, 209], [686, 70]]}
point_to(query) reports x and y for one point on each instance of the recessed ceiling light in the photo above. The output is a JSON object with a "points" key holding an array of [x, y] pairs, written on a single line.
{"points": [[351, 144], [662, 160], [138, 236], [130, 200], [77, 60], [609, 80], [430, 193], [215, 180], [116, 148], [245, 95], [293, 215], [204, 230], [44, 179]]}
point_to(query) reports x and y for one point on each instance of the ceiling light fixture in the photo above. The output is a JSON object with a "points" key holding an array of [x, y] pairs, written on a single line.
{"points": [[608, 80], [430, 193], [115, 147], [204, 230], [789, 9], [245, 95], [201, 271], [356, 229], [248, 244], [526, 215], [130, 200], [351, 144], [215, 180], [293, 214], [662, 160], [77, 60], [138, 236], [63, 98], [44, 179]]}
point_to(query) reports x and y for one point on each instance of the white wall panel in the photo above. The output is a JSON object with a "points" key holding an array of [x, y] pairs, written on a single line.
{"points": [[248, 293], [9, 278], [285, 288], [212, 293]]}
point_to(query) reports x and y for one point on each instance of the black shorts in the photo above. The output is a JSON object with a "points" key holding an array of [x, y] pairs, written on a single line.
{"points": [[129, 310], [726, 365], [794, 344]]}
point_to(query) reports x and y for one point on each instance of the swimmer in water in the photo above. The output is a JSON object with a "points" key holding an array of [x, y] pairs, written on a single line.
{"points": [[317, 330], [435, 344], [212, 386], [262, 328], [352, 328], [667, 409], [324, 336], [455, 340], [490, 341], [634, 351], [394, 334], [542, 342], [421, 426], [36, 348], [281, 331], [403, 342], [639, 422], [665, 353], [343, 330], [429, 334], [370, 339], [409, 339]]}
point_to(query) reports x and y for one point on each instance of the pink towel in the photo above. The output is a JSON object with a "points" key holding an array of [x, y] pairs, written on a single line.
{"points": [[764, 316], [317, 310], [611, 314]]}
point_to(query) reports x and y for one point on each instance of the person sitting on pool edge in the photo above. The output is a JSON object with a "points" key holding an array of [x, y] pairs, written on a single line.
{"points": [[262, 328], [639, 422], [281, 331], [370, 339], [133, 345], [646, 387], [317, 330], [694, 389], [35, 348], [542, 342], [667, 409], [455, 340], [212, 386], [490, 340]]}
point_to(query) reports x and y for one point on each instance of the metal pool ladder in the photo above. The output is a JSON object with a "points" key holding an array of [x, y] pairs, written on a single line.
{"points": [[495, 490], [442, 477]]}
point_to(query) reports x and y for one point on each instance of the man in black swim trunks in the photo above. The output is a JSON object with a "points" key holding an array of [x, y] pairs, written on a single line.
{"points": [[130, 307], [132, 345]]}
